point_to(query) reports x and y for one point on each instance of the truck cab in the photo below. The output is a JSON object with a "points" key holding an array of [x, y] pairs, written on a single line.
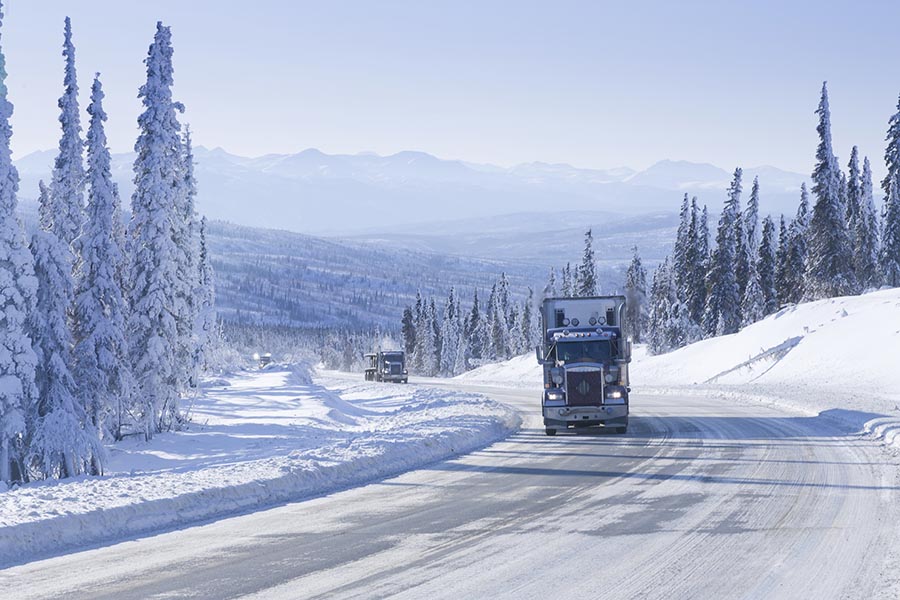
{"points": [[387, 366], [585, 360]]}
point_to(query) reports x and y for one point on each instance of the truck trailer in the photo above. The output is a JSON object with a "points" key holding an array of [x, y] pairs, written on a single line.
{"points": [[387, 366], [585, 359]]}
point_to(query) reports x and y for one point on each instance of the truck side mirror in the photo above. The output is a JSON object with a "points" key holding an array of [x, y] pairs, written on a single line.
{"points": [[628, 349], [539, 354]]}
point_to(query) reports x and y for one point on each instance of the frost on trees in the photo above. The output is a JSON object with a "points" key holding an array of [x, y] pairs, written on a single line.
{"points": [[829, 269], [722, 312], [101, 352], [153, 327], [67, 184], [18, 290]]}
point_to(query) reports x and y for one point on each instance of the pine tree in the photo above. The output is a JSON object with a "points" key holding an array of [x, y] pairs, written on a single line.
{"points": [[461, 364], [865, 235], [586, 284], [550, 288], [657, 342], [187, 292], [474, 331], [892, 152], [753, 304], [206, 322], [682, 248], [854, 193], [742, 257], [450, 335], [783, 274], [435, 318], [153, 323], [62, 441], [17, 361], [101, 352], [636, 298], [766, 267], [798, 252], [408, 330], [67, 184], [722, 313], [568, 290], [427, 348], [889, 256], [829, 269], [529, 323]]}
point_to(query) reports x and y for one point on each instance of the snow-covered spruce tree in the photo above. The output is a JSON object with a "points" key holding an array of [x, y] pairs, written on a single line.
{"points": [[101, 352], [474, 331], [751, 221], [17, 280], [798, 252], [829, 268], [766, 267], [208, 339], [680, 259], [450, 335], [722, 313], [530, 327], [659, 310], [67, 184], [636, 298], [408, 331], [889, 256], [550, 288], [435, 317], [153, 324], [568, 290], [865, 235], [188, 292], [783, 275], [461, 363], [854, 193], [415, 358], [586, 283], [892, 151], [62, 440], [742, 256], [753, 304], [427, 347]]}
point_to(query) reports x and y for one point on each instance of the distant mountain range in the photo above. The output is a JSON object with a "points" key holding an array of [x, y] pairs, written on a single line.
{"points": [[342, 194]]}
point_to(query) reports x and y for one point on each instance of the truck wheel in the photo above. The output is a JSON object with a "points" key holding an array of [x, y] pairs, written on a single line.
{"points": [[550, 431]]}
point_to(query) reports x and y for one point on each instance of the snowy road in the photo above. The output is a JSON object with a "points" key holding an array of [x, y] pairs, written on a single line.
{"points": [[701, 499]]}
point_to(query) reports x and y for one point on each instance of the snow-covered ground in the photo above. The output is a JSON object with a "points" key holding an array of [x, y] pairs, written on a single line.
{"points": [[839, 356], [258, 439]]}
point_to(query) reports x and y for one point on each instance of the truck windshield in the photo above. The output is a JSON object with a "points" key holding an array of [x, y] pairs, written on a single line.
{"points": [[595, 350]]}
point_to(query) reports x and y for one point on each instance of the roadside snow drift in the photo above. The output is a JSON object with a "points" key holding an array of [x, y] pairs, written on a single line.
{"points": [[263, 438]]}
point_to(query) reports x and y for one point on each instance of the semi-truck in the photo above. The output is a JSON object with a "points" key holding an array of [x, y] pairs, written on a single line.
{"points": [[585, 358], [387, 366]]}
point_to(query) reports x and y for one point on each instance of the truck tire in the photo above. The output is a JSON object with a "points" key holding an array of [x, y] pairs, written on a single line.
{"points": [[550, 431]]}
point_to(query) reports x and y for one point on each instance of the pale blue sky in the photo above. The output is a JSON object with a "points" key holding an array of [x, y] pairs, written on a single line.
{"points": [[595, 84]]}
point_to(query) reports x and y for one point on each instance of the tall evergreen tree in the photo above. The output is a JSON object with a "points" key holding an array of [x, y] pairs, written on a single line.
{"points": [[797, 252], [783, 274], [751, 221], [550, 288], [865, 234], [722, 312], [854, 192], [829, 269], [206, 321], [529, 327], [694, 293], [680, 252], [187, 286], [101, 352], [67, 184], [586, 284], [753, 304], [62, 442], [408, 330], [450, 335], [153, 324], [892, 152], [474, 331], [568, 289], [767, 267], [636, 298], [889, 256], [17, 361]]}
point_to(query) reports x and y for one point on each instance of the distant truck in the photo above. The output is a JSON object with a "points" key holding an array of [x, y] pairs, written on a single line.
{"points": [[585, 359], [387, 366]]}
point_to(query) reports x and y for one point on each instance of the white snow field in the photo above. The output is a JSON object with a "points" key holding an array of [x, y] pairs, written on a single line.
{"points": [[258, 439], [839, 357]]}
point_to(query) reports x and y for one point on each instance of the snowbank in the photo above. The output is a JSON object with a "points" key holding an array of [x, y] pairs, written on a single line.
{"points": [[257, 439]]}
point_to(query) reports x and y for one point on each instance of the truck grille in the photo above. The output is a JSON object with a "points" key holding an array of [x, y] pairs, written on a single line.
{"points": [[584, 388], [395, 369]]}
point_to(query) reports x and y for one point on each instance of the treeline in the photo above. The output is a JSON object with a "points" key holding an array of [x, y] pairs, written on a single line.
{"points": [[103, 327], [837, 248], [451, 339]]}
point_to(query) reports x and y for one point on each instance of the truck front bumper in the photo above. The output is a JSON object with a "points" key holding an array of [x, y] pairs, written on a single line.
{"points": [[584, 415]]}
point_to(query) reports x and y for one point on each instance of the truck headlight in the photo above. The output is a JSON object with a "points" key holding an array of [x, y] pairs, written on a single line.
{"points": [[387, 370], [615, 395], [555, 396]]}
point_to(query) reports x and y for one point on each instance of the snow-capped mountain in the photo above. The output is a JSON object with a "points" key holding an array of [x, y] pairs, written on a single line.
{"points": [[314, 192]]}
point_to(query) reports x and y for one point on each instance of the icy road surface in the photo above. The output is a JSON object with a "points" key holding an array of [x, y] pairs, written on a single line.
{"points": [[703, 498]]}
